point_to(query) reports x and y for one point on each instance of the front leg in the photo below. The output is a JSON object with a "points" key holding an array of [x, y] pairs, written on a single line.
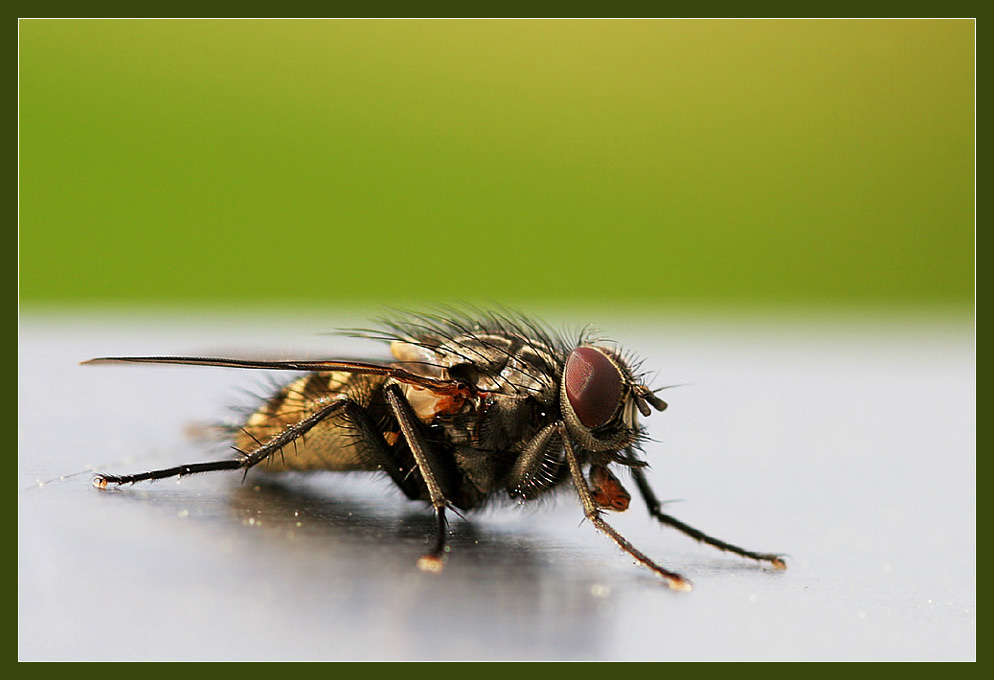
{"points": [[656, 510], [536, 468], [431, 470], [593, 513]]}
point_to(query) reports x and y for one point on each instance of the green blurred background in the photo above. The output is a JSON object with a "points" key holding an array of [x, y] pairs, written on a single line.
{"points": [[273, 164]]}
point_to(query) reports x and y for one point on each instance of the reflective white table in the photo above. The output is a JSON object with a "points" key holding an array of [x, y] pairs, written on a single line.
{"points": [[847, 443]]}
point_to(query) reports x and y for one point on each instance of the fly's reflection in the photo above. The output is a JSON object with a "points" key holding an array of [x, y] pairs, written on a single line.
{"points": [[502, 597]]}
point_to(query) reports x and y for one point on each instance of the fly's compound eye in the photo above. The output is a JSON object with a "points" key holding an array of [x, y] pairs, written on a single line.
{"points": [[593, 386]]}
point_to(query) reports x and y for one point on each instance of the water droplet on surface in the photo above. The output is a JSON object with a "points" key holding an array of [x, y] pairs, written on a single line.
{"points": [[599, 590]]}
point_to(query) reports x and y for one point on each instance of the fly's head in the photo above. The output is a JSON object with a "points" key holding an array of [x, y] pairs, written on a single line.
{"points": [[599, 397]]}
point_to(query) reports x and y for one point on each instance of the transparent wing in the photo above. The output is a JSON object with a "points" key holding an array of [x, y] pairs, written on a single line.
{"points": [[357, 367]]}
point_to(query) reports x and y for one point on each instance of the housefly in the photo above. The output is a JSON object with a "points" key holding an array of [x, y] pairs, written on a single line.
{"points": [[475, 407]]}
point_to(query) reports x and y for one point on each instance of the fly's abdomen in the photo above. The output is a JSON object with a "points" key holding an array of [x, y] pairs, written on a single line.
{"points": [[332, 444]]}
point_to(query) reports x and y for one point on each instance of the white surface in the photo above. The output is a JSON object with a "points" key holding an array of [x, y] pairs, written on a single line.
{"points": [[850, 447]]}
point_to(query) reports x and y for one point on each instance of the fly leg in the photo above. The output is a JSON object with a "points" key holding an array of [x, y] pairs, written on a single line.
{"points": [[431, 471], [379, 452], [244, 462], [536, 467], [593, 513], [656, 511]]}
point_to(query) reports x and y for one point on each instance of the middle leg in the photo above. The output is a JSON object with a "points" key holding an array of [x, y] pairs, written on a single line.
{"points": [[431, 469]]}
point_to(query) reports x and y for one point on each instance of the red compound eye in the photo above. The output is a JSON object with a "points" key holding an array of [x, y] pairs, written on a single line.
{"points": [[593, 386]]}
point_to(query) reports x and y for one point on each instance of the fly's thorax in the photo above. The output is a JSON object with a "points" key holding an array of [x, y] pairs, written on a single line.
{"points": [[417, 358], [428, 403], [503, 363]]}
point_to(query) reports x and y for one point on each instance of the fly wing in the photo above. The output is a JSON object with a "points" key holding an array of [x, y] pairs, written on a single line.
{"points": [[444, 385], [333, 444]]}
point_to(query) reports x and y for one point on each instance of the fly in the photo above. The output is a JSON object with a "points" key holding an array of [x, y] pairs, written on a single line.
{"points": [[475, 407]]}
